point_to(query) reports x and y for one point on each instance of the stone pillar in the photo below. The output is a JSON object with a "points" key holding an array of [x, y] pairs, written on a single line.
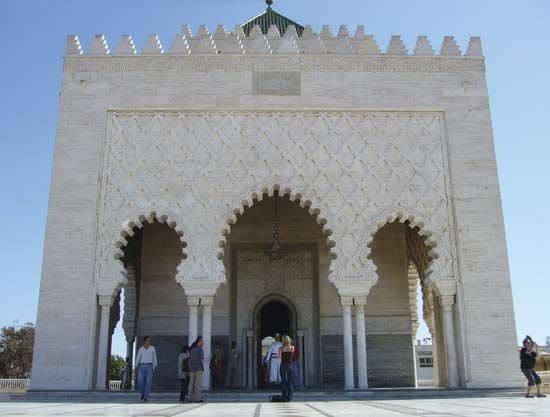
{"points": [[249, 359], [193, 303], [207, 302], [105, 303], [361, 342], [301, 344], [130, 354], [129, 347], [347, 302], [446, 302]]}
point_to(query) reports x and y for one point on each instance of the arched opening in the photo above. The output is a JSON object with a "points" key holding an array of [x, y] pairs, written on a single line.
{"points": [[274, 318], [151, 303], [402, 252], [297, 274]]}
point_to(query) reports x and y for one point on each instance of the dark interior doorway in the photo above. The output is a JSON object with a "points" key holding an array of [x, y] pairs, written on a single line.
{"points": [[274, 317]]}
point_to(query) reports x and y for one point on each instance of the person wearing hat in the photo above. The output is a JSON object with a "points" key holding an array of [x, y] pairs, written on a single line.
{"points": [[528, 357]]}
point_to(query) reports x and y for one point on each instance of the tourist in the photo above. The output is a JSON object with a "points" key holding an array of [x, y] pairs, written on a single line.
{"points": [[127, 375], [183, 371], [297, 383], [232, 370], [216, 366], [287, 380], [196, 369], [528, 357], [215, 372], [273, 361], [146, 361]]}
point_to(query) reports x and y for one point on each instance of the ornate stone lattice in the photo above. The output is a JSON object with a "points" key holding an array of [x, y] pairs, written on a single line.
{"points": [[291, 276], [196, 169]]}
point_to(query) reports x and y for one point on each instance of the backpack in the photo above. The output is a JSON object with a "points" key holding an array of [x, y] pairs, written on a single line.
{"points": [[276, 398]]}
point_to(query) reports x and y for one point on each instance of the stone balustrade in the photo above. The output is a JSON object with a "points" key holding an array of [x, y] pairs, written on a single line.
{"points": [[14, 384]]}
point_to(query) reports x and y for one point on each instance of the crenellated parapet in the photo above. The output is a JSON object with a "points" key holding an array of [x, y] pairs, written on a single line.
{"points": [[291, 42]]}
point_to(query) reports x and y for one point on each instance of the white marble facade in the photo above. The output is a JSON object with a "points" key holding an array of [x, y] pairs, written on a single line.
{"points": [[361, 141]]}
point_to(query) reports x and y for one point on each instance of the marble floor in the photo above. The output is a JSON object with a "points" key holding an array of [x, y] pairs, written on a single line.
{"points": [[501, 407]]}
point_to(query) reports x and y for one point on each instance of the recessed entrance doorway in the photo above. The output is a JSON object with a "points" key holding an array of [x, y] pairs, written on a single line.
{"points": [[274, 317]]}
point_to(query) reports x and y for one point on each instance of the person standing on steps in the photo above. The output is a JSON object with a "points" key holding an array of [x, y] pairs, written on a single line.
{"points": [[232, 376], [273, 361], [196, 369], [528, 358], [287, 379], [216, 366], [183, 371], [146, 361]]}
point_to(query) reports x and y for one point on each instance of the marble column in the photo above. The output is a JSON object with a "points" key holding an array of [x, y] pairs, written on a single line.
{"points": [[206, 303], [361, 342], [129, 347], [193, 303], [447, 302], [302, 346], [105, 303], [250, 359], [347, 302]]}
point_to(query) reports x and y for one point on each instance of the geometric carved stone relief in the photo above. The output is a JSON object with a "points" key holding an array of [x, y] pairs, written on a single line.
{"points": [[197, 169], [292, 277]]}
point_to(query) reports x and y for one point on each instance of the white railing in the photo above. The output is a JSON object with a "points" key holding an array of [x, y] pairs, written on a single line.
{"points": [[115, 385], [425, 383], [15, 384]]}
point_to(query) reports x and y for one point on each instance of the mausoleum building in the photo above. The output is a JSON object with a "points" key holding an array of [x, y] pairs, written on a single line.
{"points": [[276, 178]]}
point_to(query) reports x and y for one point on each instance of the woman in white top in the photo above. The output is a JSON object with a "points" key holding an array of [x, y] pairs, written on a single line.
{"points": [[146, 361]]}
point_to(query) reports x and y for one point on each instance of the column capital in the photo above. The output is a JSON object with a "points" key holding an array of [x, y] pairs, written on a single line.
{"points": [[193, 301], [360, 301], [360, 309], [446, 301], [200, 288], [346, 301], [354, 287], [106, 300], [207, 301], [444, 287]]}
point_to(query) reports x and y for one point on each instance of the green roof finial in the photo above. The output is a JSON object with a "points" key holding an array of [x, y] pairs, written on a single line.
{"points": [[269, 2]]}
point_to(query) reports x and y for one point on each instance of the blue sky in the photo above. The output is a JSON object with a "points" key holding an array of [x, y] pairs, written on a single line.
{"points": [[516, 42]]}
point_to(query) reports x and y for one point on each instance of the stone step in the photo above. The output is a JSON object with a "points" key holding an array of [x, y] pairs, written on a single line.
{"points": [[258, 396]]}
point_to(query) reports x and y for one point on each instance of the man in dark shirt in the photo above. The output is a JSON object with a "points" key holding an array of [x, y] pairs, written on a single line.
{"points": [[196, 369], [528, 358]]}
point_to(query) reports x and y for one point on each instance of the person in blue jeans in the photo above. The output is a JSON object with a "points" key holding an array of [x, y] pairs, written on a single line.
{"points": [[146, 361], [287, 378]]}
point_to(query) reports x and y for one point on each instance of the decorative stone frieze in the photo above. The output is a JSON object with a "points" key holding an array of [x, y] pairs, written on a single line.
{"points": [[365, 168], [295, 62]]}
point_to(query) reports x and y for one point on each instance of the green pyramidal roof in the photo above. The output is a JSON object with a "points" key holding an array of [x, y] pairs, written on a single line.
{"points": [[268, 18]]}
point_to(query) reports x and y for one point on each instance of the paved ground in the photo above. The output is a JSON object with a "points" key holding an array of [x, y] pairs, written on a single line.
{"points": [[501, 407]]}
